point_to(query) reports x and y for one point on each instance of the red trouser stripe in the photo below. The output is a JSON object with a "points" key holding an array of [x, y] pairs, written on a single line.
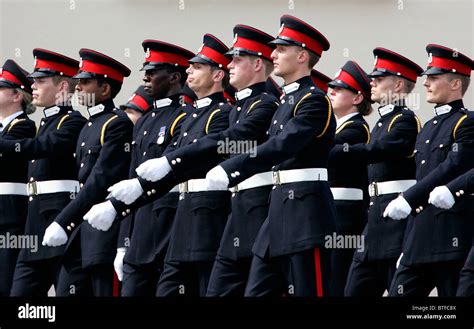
{"points": [[116, 285], [317, 267]]}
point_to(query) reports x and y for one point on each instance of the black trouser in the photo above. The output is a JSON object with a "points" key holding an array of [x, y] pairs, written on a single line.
{"points": [[341, 260], [305, 273], [35, 278], [94, 280], [370, 278], [8, 258], [420, 280], [184, 278], [141, 280], [229, 277]]}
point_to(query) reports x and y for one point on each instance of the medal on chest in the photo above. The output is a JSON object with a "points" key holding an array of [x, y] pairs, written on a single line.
{"points": [[161, 135]]}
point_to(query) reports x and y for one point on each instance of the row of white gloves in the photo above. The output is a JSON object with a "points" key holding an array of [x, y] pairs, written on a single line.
{"points": [[101, 216]]}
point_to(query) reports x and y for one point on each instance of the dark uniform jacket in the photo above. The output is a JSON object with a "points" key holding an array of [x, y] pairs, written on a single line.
{"points": [[444, 150], [52, 158], [103, 158]]}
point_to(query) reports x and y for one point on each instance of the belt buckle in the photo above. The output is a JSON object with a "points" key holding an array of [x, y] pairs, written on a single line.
{"points": [[183, 187], [32, 188], [373, 190], [276, 178]]}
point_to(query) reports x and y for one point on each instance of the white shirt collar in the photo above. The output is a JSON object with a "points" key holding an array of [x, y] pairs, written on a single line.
{"points": [[294, 86], [242, 94], [203, 102], [51, 111], [96, 109], [7, 120], [340, 121], [443, 109], [163, 102], [384, 110]]}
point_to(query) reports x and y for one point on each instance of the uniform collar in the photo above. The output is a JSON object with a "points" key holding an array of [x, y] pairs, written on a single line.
{"points": [[5, 122], [294, 86], [446, 108], [50, 111], [106, 106], [207, 101], [168, 101], [340, 121], [254, 89]]}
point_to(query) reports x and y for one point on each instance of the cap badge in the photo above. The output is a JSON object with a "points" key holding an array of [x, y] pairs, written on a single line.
{"points": [[147, 53], [430, 58]]}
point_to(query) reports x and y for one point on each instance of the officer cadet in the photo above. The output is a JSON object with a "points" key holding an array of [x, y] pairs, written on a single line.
{"points": [[15, 104], [249, 120], [437, 241], [165, 74], [52, 172], [288, 255], [103, 158], [138, 104], [391, 170], [351, 101]]}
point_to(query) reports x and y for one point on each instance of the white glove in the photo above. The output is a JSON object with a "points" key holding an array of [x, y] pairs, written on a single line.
{"points": [[154, 169], [118, 262], [441, 197], [127, 190], [397, 209], [217, 180], [54, 235], [101, 216]]}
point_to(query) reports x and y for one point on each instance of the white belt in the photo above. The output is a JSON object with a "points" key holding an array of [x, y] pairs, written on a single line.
{"points": [[299, 175], [193, 185], [389, 187], [349, 194], [174, 189], [13, 189], [52, 186], [262, 179]]}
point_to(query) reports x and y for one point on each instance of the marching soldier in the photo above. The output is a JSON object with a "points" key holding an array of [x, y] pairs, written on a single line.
{"points": [[289, 257], [438, 241], [445, 197], [391, 170], [138, 104], [249, 120], [15, 104], [351, 101], [52, 173], [165, 74], [103, 158]]}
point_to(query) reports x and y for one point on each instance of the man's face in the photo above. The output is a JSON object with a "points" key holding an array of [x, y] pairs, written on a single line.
{"points": [[241, 71], [7, 96], [89, 92], [45, 92], [199, 77], [342, 99], [437, 88], [284, 59], [382, 89], [156, 82]]}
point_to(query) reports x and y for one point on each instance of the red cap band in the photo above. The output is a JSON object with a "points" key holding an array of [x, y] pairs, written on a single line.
{"points": [[161, 57], [10, 77], [395, 67], [449, 64], [102, 69], [351, 82], [140, 102], [215, 56], [65, 69], [253, 46], [310, 43]]}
